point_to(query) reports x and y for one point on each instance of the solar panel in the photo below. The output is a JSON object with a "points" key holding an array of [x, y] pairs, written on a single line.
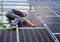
{"points": [[35, 35], [57, 36], [42, 10], [7, 35], [55, 28], [49, 12]]}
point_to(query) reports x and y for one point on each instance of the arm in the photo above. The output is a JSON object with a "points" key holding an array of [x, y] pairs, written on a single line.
{"points": [[30, 23]]}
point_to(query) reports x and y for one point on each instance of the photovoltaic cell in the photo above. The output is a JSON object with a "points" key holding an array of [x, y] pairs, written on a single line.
{"points": [[35, 35], [8, 35]]}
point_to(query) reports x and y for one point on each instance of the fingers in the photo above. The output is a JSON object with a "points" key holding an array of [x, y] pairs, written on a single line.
{"points": [[33, 25]]}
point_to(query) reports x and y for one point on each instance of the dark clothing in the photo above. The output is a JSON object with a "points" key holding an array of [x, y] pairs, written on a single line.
{"points": [[15, 16], [19, 13]]}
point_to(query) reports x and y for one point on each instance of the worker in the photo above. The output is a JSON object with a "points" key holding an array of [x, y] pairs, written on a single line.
{"points": [[16, 17]]}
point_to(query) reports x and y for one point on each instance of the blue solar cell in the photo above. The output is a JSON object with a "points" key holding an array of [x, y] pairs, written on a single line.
{"points": [[2, 35], [14, 39], [21, 35]]}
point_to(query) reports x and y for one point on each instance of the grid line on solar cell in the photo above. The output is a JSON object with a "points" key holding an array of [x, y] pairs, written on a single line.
{"points": [[35, 36], [5, 36], [40, 35], [2, 36], [32, 36], [24, 36], [29, 35]]}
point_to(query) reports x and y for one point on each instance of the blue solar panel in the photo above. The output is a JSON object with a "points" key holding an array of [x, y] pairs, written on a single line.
{"points": [[35, 35]]}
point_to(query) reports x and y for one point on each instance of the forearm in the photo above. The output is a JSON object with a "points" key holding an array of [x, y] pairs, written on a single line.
{"points": [[30, 23]]}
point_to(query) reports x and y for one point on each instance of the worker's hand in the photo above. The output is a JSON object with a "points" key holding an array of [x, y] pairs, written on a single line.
{"points": [[33, 25]]}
